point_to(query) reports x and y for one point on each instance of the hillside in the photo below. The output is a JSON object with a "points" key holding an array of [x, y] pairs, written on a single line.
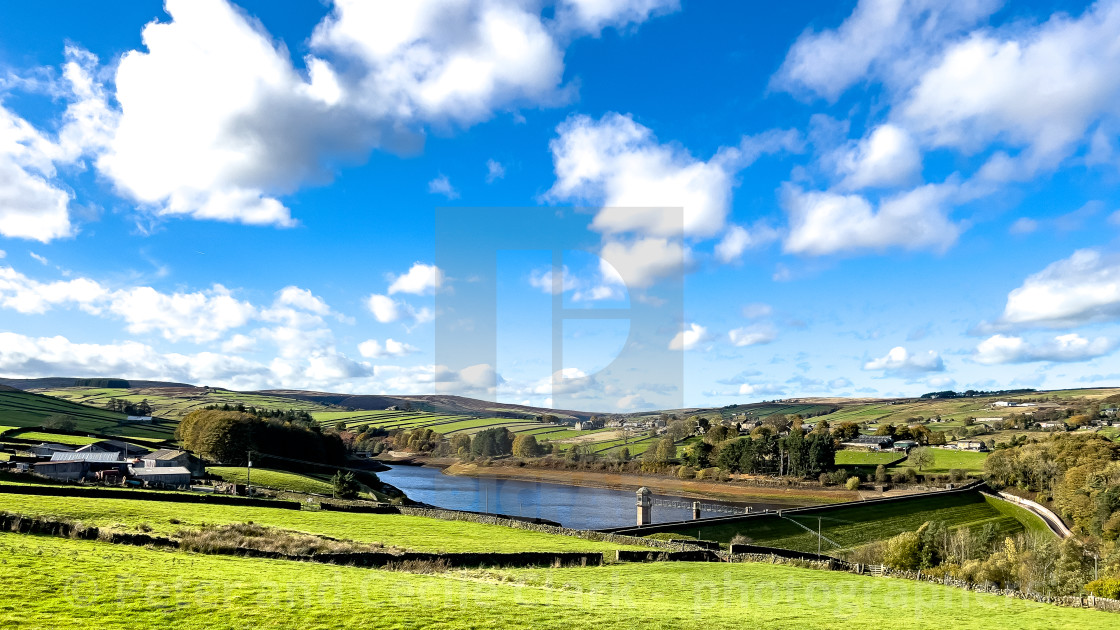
{"points": [[433, 403], [68, 381], [27, 409]]}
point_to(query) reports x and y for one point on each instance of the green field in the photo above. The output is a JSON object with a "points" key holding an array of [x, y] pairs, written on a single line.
{"points": [[276, 479], [852, 526], [392, 530], [58, 583], [176, 402], [25, 409], [866, 458], [57, 438], [945, 460]]}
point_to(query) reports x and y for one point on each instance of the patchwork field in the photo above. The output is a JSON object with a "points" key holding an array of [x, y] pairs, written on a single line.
{"points": [[57, 583], [25, 409], [853, 526], [176, 402]]}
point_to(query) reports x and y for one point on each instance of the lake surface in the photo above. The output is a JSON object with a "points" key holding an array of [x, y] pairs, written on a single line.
{"points": [[577, 507]]}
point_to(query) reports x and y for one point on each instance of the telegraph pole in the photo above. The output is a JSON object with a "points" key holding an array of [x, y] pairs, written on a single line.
{"points": [[818, 535], [248, 473]]}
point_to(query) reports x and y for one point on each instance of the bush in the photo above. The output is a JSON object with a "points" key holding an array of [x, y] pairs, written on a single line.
{"points": [[686, 472], [60, 422], [1105, 587], [825, 479], [853, 483], [881, 473]]}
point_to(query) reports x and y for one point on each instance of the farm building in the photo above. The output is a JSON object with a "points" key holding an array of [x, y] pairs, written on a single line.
{"points": [[904, 446], [62, 471], [123, 449], [969, 445], [46, 449], [166, 458], [871, 442], [588, 425], [163, 476], [87, 456]]}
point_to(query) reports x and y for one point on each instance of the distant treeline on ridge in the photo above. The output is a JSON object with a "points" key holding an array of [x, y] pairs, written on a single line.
{"points": [[975, 393]]}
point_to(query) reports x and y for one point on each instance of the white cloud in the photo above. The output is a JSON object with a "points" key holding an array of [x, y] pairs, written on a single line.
{"points": [[239, 344], [755, 334], [24, 295], [31, 207], [208, 124], [494, 171], [592, 16], [618, 165], [1039, 88], [900, 361], [1082, 288], [689, 338], [757, 310], [889, 156], [302, 299], [387, 310], [1023, 225], [442, 186], [827, 223], [418, 280], [373, 348], [199, 316], [1071, 347], [881, 38], [640, 263], [543, 280], [738, 239], [761, 389]]}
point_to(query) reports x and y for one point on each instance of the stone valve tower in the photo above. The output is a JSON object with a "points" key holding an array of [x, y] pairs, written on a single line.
{"points": [[645, 506]]}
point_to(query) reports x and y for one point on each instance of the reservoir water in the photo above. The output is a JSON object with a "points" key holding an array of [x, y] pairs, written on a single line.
{"points": [[577, 507]]}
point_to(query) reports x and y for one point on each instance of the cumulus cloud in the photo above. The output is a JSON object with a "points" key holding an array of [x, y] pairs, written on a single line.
{"points": [[1072, 347], [880, 39], [494, 171], [33, 205], [755, 334], [198, 316], [216, 122], [1070, 292], [618, 165], [761, 389], [441, 185], [693, 335], [737, 239], [387, 310], [639, 263], [986, 88], [592, 16], [372, 349], [420, 279], [899, 361], [828, 223], [888, 156]]}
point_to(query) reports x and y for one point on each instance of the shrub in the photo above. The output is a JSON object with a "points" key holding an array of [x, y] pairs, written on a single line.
{"points": [[825, 479], [903, 551], [60, 422], [1105, 587], [686, 472], [881, 473], [853, 483]]}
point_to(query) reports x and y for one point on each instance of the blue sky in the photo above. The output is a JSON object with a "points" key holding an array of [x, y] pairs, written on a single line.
{"points": [[832, 198]]}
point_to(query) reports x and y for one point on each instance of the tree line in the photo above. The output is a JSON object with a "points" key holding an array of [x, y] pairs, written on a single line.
{"points": [[229, 436]]}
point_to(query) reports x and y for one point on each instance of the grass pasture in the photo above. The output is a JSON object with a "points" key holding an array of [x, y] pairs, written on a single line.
{"points": [[176, 402], [945, 459], [857, 525], [26, 409], [406, 532], [57, 438], [58, 583], [275, 479], [867, 458]]}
